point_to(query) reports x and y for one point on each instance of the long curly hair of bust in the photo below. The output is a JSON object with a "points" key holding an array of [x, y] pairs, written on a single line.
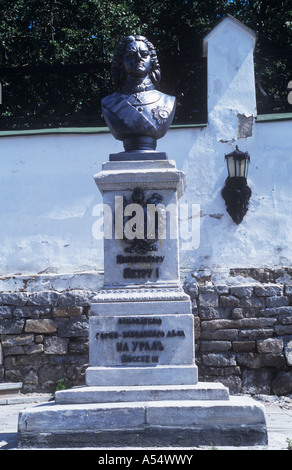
{"points": [[118, 73]]}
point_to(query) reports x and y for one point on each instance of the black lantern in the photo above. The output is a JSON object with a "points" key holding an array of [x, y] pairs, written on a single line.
{"points": [[236, 192]]}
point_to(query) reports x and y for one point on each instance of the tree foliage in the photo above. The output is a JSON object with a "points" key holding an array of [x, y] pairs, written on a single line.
{"points": [[55, 54], [78, 31]]}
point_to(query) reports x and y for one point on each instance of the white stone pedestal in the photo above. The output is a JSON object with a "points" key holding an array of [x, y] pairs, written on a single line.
{"points": [[142, 384]]}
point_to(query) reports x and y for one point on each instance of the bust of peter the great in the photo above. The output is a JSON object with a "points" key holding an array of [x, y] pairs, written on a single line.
{"points": [[138, 114]]}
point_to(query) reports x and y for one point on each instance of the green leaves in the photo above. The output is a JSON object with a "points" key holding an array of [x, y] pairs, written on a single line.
{"points": [[69, 33]]}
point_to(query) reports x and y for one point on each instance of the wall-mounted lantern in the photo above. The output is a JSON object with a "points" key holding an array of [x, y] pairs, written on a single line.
{"points": [[236, 192]]}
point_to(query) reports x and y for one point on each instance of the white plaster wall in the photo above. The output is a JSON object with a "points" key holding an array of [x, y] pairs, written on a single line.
{"points": [[48, 195], [264, 237], [46, 201]]}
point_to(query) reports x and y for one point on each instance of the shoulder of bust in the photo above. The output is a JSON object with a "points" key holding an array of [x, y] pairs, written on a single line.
{"points": [[167, 99], [111, 100]]}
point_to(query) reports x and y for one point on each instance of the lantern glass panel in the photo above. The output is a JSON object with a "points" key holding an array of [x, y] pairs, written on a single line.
{"points": [[240, 167], [231, 166]]}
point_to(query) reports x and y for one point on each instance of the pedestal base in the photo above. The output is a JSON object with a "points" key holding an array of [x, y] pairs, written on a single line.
{"points": [[237, 421], [142, 389], [137, 155], [200, 391], [159, 375]]}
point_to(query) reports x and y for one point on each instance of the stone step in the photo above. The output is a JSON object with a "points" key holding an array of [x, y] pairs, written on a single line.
{"points": [[131, 376], [10, 387], [200, 391], [239, 421]]}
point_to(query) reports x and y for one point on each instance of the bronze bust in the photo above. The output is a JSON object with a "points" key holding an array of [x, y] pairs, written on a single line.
{"points": [[138, 114]]}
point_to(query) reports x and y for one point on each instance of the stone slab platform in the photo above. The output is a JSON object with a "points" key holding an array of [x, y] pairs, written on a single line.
{"points": [[200, 391], [239, 421]]}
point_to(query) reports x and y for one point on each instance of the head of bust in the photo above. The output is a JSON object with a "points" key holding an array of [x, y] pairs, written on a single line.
{"points": [[135, 62]]}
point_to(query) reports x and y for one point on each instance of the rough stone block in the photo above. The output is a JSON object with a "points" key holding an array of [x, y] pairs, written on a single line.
{"points": [[217, 324], [255, 333], [55, 345], [32, 312], [72, 327], [11, 326], [6, 312], [237, 313], [282, 384], [288, 290], [219, 360], [288, 351], [77, 298], [270, 345], [214, 289], [229, 301], [40, 326], [241, 291], [16, 340], [191, 289], [78, 345], [16, 299], [277, 301], [215, 346], [33, 348], [220, 335], [67, 311], [243, 346], [283, 329], [212, 313], [275, 311], [257, 381], [208, 300], [285, 319], [255, 302], [13, 351], [268, 290], [256, 361], [255, 322], [43, 298]]}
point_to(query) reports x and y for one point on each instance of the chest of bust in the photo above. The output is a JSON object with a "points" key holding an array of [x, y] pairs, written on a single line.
{"points": [[142, 113]]}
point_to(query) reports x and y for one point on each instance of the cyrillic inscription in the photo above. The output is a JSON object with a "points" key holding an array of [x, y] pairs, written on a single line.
{"points": [[139, 343], [150, 339]]}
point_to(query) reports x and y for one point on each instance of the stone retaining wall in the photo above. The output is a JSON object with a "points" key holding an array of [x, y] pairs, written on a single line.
{"points": [[243, 337], [44, 339]]}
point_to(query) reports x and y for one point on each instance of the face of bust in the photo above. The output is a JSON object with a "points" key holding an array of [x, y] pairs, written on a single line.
{"points": [[137, 60]]}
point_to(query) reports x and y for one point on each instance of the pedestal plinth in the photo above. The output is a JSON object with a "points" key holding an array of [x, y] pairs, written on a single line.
{"points": [[142, 384], [141, 224], [141, 326]]}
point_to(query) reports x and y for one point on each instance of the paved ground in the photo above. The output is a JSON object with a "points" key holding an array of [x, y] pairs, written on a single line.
{"points": [[278, 416]]}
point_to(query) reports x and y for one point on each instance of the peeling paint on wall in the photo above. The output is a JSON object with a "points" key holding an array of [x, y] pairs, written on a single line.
{"points": [[245, 124]]}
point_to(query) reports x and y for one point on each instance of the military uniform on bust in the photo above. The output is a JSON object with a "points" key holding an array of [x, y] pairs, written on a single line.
{"points": [[138, 114]]}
